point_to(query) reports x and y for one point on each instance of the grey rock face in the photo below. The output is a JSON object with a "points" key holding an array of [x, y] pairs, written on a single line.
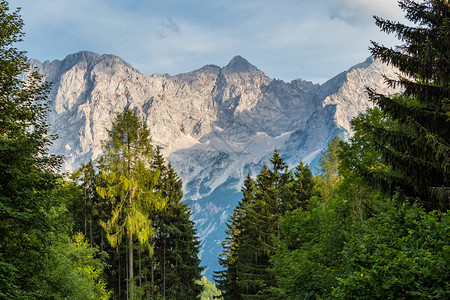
{"points": [[215, 124]]}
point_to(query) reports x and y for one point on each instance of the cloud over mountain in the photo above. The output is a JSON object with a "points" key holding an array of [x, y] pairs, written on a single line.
{"points": [[360, 12]]}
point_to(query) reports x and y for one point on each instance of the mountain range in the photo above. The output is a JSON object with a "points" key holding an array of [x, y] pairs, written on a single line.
{"points": [[214, 124]]}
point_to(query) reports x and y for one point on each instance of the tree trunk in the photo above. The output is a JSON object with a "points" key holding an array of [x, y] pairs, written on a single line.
{"points": [[140, 268], [164, 268], [118, 256], [130, 234], [85, 214], [130, 261], [90, 220], [153, 279]]}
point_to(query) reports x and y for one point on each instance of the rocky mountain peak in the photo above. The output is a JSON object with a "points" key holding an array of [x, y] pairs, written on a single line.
{"points": [[239, 65], [91, 59], [82, 56], [212, 69], [86, 55]]}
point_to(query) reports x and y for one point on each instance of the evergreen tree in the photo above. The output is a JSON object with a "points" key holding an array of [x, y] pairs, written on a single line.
{"points": [[228, 277], [130, 185], [410, 136], [176, 246], [258, 227], [249, 245], [329, 168], [303, 187], [86, 208]]}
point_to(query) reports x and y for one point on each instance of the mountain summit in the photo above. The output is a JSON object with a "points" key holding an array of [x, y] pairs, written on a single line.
{"points": [[239, 65], [215, 124]]}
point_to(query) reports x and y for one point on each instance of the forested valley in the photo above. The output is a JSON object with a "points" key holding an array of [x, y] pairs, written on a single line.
{"points": [[372, 224]]}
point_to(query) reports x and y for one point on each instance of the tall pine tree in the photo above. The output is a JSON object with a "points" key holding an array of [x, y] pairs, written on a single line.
{"points": [[227, 278], [129, 186], [176, 245], [411, 133], [85, 208], [249, 244]]}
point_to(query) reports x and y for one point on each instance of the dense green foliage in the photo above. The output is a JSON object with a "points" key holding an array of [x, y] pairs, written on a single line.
{"points": [[38, 259], [409, 134], [399, 252], [129, 186], [210, 291], [76, 271], [249, 245], [373, 224]]}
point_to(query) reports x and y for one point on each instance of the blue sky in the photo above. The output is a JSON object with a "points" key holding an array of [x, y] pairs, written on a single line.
{"points": [[288, 39]]}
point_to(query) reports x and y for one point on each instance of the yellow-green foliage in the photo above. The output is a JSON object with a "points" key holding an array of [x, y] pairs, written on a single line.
{"points": [[129, 182], [209, 289], [75, 260]]}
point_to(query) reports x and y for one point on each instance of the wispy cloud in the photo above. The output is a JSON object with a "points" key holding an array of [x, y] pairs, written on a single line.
{"points": [[360, 12], [171, 25]]}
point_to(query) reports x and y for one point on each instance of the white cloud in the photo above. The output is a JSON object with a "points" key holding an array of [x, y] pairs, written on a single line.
{"points": [[360, 12]]}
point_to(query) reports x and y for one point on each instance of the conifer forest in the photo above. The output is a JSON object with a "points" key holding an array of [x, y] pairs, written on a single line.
{"points": [[371, 223]]}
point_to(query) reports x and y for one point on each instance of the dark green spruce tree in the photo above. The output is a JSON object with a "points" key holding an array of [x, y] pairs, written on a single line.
{"points": [[249, 245], [411, 131], [227, 278], [176, 263], [258, 228], [85, 209]]}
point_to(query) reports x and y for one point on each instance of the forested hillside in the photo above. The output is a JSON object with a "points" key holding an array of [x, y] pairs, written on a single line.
{"points": [[374, 223]]}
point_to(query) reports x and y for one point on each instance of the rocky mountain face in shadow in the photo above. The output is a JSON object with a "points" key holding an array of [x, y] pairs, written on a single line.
{"points": [[215, 124]]}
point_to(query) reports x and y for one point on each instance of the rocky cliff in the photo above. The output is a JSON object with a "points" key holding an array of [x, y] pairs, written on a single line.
{"points": [[215, 124]]}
